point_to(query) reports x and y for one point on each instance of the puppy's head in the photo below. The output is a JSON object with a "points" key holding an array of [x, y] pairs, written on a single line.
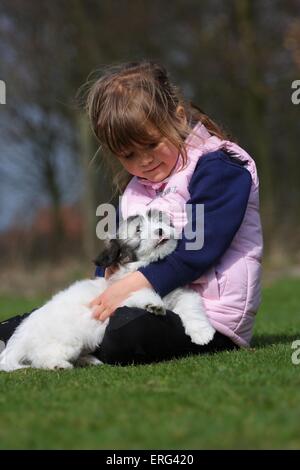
{"points": [[158, 237], [147, 237]]}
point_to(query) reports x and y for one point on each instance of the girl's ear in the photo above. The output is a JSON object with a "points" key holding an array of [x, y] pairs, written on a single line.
{"points": [[114, 253]]}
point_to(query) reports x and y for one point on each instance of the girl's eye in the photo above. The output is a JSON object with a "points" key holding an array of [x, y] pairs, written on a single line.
{"points": [[128, 156], [153, 146], [138, 229]]}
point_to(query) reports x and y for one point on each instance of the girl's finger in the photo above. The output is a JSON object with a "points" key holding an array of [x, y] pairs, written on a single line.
{"points": [[108, 273], [94, 302], [107, 313], [97, 310]]}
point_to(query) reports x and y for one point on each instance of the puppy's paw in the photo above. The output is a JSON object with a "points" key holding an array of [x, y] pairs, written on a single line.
{"points": [[201, 336], [54, 365], [155, 309], [88, 360]]}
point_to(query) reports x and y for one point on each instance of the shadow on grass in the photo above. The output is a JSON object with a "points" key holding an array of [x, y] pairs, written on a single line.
{"points": [[260, 341]]}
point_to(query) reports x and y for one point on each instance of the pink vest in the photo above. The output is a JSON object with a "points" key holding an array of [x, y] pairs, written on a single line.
{"points": [[231, 289]]}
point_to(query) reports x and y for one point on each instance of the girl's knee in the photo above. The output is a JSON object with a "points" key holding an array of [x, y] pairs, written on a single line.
{"points": [[126, 338]]}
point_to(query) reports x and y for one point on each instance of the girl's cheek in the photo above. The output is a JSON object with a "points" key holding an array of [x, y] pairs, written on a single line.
{"points": [[131, 167], [126, 163]]}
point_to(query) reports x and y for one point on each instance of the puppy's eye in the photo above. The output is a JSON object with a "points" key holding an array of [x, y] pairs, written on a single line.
{"points": [[138, 229]]}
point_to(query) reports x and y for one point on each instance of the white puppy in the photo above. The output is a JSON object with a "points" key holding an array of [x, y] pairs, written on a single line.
{"points": [[63, 332]]}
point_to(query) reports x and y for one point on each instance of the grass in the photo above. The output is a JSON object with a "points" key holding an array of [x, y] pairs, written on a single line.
{"points": [[233, 400]]}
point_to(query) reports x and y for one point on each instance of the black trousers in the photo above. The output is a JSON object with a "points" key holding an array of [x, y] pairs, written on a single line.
{"points": [[135, 336]]}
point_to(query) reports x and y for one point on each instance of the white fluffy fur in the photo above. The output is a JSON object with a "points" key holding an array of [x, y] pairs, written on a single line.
{"points": [[63, 332]]}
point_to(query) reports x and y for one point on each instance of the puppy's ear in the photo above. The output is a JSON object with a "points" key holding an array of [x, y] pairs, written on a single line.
{"points": [[127, 255], [110, 255], [115, 253]]}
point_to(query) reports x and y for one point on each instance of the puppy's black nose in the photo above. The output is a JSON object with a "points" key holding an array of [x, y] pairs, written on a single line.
{"points": [[159, 232]]}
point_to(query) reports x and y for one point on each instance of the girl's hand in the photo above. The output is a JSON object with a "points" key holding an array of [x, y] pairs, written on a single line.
{"points": [[105, 304]]}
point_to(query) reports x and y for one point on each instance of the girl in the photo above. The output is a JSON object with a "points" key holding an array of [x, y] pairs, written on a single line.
{"points": [[173, 156]]}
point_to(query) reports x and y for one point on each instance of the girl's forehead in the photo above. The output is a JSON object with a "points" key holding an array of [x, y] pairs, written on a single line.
{"points": [[149, 136]]}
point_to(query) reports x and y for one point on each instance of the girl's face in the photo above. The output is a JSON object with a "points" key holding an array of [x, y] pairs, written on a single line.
{"points": [[154, 162]]}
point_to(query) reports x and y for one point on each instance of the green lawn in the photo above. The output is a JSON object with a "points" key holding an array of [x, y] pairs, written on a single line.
{"points": [[242, 399]]}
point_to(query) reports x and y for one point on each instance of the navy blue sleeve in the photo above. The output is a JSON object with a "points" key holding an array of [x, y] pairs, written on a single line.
{"points": [[223, 186], [99, 270]]}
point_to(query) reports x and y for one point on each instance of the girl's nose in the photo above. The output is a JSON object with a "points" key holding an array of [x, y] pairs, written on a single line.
{"points": [[145, 159]]}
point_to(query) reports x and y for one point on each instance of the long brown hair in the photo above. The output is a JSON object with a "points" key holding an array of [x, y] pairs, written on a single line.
{"points": [[127, 98]]}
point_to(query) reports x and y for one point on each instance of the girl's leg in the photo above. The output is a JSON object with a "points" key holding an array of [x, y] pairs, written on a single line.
{"points": [[7, 327], [134, 335]]}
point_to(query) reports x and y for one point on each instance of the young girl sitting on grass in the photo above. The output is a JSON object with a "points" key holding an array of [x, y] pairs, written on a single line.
{"points": [[174, 157]]}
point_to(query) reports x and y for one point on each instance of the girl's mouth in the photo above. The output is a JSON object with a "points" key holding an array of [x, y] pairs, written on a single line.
{"points": [[148, 171]]}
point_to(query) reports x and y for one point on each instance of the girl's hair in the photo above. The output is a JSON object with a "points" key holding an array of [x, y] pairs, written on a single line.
{"points": [[130, 101]]}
